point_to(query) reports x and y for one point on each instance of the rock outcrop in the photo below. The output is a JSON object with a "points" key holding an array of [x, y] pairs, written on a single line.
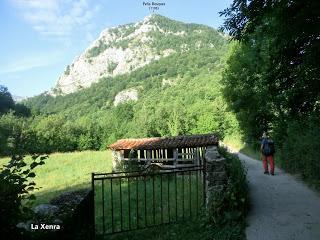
{"points": [[125, 48], [126, 95], [118, 50]]}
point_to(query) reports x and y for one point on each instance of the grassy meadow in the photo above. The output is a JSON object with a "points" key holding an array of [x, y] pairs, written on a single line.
{"points": [[66, 172]]}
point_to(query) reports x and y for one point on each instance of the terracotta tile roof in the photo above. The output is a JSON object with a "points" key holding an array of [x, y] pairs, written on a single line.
{"points": [[166, 142]]}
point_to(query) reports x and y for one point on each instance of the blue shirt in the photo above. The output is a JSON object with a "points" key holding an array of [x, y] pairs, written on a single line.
{"points": [[264, 141]]}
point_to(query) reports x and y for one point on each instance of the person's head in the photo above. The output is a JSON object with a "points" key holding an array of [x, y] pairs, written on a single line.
{"points": [[264, 135]]}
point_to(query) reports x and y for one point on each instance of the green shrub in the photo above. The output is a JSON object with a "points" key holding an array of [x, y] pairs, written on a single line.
{"points": [[111, 67], [228, 218], [15, 189], [95, 51], [301, 149]]}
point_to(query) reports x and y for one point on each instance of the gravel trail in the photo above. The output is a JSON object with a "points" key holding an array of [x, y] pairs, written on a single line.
{"points": [[283, 208]]}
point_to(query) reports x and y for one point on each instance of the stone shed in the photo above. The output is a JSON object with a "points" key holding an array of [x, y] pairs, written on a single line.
{"points": [[168, 152]]}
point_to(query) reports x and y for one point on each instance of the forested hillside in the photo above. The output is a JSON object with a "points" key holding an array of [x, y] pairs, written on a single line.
{"points": [[177, 94]]}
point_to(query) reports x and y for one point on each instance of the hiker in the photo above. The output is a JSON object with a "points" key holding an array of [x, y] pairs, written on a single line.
{"points": [[267, 153]]}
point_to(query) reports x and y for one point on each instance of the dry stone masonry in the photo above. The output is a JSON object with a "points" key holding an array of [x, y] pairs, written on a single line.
{"points": [[216, 176]]}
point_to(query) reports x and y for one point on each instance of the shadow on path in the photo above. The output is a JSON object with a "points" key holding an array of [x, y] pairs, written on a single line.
{"points": [[283, 208]]}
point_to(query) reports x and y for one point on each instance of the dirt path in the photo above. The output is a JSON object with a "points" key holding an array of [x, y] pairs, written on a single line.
{"points": [[282, 207]]}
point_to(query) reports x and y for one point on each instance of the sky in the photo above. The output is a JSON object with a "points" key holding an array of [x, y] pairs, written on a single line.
{"points": [[39, 38]]}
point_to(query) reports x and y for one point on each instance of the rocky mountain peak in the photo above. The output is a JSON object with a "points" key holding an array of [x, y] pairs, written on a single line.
{"points": [[125, 48]]}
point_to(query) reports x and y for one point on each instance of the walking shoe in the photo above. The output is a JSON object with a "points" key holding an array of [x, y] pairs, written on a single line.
{"points": [[272, 174], [266, 172]]}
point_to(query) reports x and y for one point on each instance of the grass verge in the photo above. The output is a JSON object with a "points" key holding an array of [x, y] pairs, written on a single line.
{"points": [[237, 144]]}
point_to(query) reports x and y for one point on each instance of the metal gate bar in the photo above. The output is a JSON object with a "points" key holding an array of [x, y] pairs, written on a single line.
{"points": [[164, 196]]}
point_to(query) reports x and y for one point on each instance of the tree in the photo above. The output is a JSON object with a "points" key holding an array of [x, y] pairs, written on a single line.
{"points": [[272, 76], [6, 101], [276, 59], [22, 110]]}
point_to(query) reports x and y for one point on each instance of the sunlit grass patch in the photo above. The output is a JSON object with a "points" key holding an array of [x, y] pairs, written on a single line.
{"points": [[66, 172]]}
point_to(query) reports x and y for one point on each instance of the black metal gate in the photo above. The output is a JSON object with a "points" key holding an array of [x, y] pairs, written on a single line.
{"points": [[125, 201]]}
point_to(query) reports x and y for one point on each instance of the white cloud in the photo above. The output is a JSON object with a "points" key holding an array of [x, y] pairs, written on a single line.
{"points": [[30, 63], [57, 18]]}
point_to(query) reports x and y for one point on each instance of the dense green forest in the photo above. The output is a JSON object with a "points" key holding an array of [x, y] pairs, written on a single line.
{"points": [[272, 77]]}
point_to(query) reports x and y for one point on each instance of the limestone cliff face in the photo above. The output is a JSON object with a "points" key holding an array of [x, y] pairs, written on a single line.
{"points": [[118, 50], [125, 48]]}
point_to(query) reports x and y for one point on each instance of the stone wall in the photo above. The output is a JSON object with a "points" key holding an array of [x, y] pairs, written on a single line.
{"points": [[116, 160], [215, 176]]}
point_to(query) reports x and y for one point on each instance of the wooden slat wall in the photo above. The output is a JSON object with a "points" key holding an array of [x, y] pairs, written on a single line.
{"points": [[177, 157]]}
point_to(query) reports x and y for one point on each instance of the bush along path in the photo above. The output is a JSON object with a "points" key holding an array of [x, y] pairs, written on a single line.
{"points": [[282, 207]]}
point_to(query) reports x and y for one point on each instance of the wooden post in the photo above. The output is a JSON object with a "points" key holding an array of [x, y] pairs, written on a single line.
{"points": [[149, 156], [175, 156], [197, 156]]}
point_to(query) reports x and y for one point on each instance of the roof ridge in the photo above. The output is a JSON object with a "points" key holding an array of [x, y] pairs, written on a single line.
{"points": [[196, 140]]}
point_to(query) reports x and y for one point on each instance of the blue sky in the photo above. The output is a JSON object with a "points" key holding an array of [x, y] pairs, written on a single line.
{"points": [[40, 37]]}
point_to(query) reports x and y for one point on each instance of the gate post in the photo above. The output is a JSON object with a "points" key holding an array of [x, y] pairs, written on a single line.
{"points": [[93, 226], [215, 177]]}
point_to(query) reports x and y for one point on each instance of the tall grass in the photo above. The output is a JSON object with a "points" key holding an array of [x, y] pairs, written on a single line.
{"points": [[66, 172], [147, 201]]}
